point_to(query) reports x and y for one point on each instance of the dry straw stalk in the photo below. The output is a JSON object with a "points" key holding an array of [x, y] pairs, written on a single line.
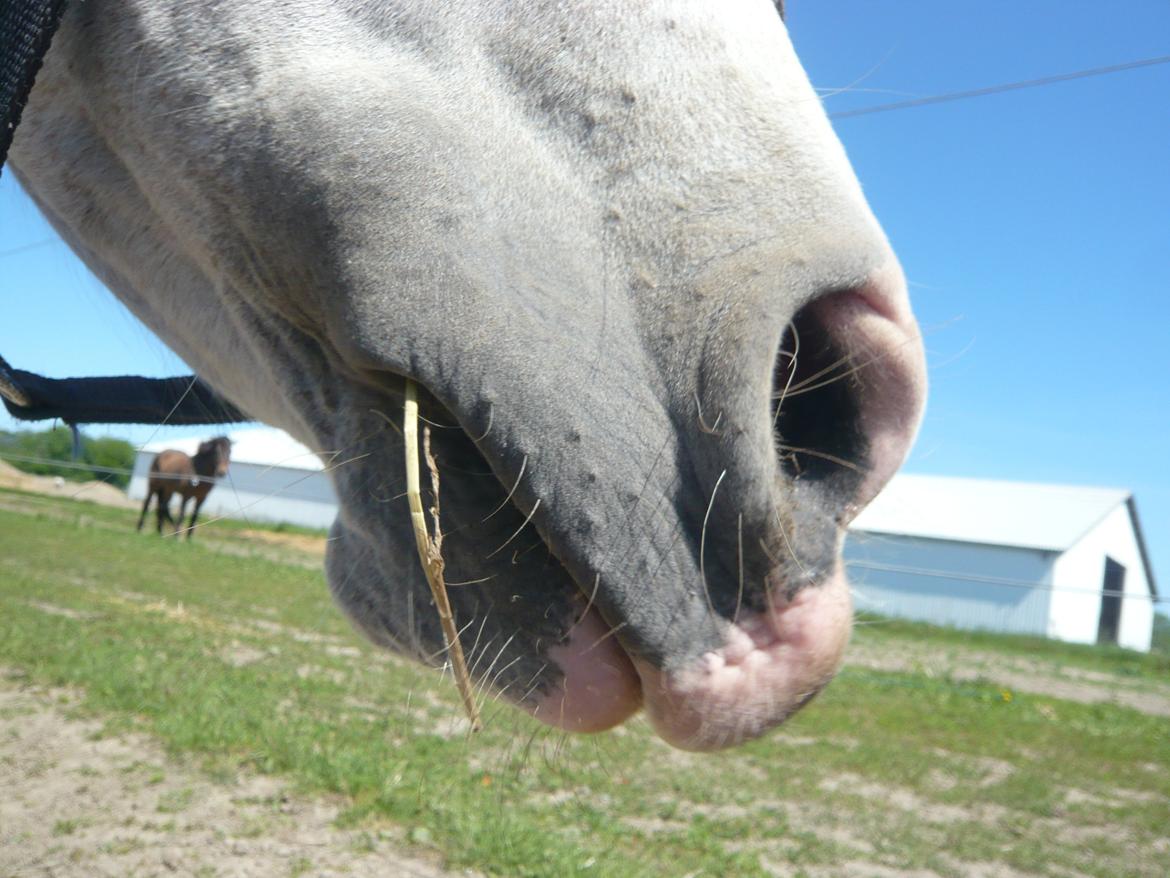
{"points": [[430, 548]]}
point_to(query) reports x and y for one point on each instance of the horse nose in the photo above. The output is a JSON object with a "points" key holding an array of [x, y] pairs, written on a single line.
{"points": [[848, 393]]}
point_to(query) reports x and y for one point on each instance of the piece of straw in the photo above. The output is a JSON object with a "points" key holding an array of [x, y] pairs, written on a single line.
{"points": [[430, 549]]}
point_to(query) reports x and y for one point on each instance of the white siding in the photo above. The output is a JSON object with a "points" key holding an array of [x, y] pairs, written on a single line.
{"points": [[1078, 576], [966, 585], [988, 512]]}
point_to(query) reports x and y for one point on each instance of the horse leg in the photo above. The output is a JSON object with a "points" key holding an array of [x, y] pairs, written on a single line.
{"points": [[145, 506], [183, 498], [194, 515], [164, 509]]}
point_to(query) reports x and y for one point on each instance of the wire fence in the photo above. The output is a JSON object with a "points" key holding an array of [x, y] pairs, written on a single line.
{"points": [[935, 604], [245, 503], [1078, 612], [80, 466], [1029, 584]]}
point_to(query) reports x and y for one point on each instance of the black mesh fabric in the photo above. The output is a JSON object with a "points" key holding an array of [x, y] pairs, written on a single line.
{"points": [[124, 399], [26, 27]]}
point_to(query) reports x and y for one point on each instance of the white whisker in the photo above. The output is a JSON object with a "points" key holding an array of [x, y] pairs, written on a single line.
{"points": [[515, 485], [535, 506], [703, 542]]}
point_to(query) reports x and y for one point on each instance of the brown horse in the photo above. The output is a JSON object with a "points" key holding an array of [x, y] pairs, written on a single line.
{"points": [[173, 472]]}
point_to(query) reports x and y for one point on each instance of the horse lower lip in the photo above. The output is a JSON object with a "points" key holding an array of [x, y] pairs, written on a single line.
{"points": [[599, 688], [768, 669]]}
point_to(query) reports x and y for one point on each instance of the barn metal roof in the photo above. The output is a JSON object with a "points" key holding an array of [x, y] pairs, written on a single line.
{"points": [[265, 446], [1021, 514]]}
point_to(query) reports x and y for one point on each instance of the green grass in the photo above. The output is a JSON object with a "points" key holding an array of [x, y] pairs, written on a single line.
{"points": [[901, 769], [1161, 638], [65, 827], [80, 511], [1109, 659]]}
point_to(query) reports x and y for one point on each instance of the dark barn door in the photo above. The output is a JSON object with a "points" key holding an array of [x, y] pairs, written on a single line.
{"points": [[1111, 589]]}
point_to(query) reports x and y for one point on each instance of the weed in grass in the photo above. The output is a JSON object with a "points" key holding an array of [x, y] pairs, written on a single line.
{"points": [[119, 847], [221, 769], [174, 801], [363, 843], [65, 827]]}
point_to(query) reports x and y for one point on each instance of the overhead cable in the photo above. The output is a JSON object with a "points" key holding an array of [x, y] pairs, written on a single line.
{"points": [[996, 89]]}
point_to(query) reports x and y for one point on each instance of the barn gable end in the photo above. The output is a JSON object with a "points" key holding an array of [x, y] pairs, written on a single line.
{"points": [[1081, 574], [1005, 556]]}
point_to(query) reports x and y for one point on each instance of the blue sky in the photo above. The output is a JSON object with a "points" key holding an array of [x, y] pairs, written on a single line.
{"points": [[1034, 227]]}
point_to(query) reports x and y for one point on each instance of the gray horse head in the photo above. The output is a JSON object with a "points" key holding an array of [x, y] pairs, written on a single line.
{"points": [[666, 347]]}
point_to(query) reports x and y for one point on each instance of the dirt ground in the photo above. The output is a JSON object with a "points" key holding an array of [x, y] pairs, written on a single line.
{"points": [[75, 803], [302, 543], [95, 492]]}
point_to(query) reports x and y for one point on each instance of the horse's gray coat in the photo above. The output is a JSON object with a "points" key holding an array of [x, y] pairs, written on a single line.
{"points": [[584, 228]]}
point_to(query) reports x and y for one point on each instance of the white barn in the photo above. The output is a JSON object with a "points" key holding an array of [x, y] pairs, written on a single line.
{"points": [[272, 478], [1056, 561]]}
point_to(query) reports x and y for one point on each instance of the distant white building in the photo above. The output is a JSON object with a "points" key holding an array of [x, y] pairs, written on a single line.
{"points": [[1057, 561], [272, 478]]}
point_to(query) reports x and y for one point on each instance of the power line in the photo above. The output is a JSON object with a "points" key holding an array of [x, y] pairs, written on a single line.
{"points": [[35, 245], [996, 89]]}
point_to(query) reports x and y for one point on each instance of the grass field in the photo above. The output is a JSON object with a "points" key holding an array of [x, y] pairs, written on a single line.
{"points": [[229, 650]]}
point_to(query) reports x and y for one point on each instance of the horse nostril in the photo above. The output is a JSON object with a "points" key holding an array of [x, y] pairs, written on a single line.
{"points": [[816, 405]]}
